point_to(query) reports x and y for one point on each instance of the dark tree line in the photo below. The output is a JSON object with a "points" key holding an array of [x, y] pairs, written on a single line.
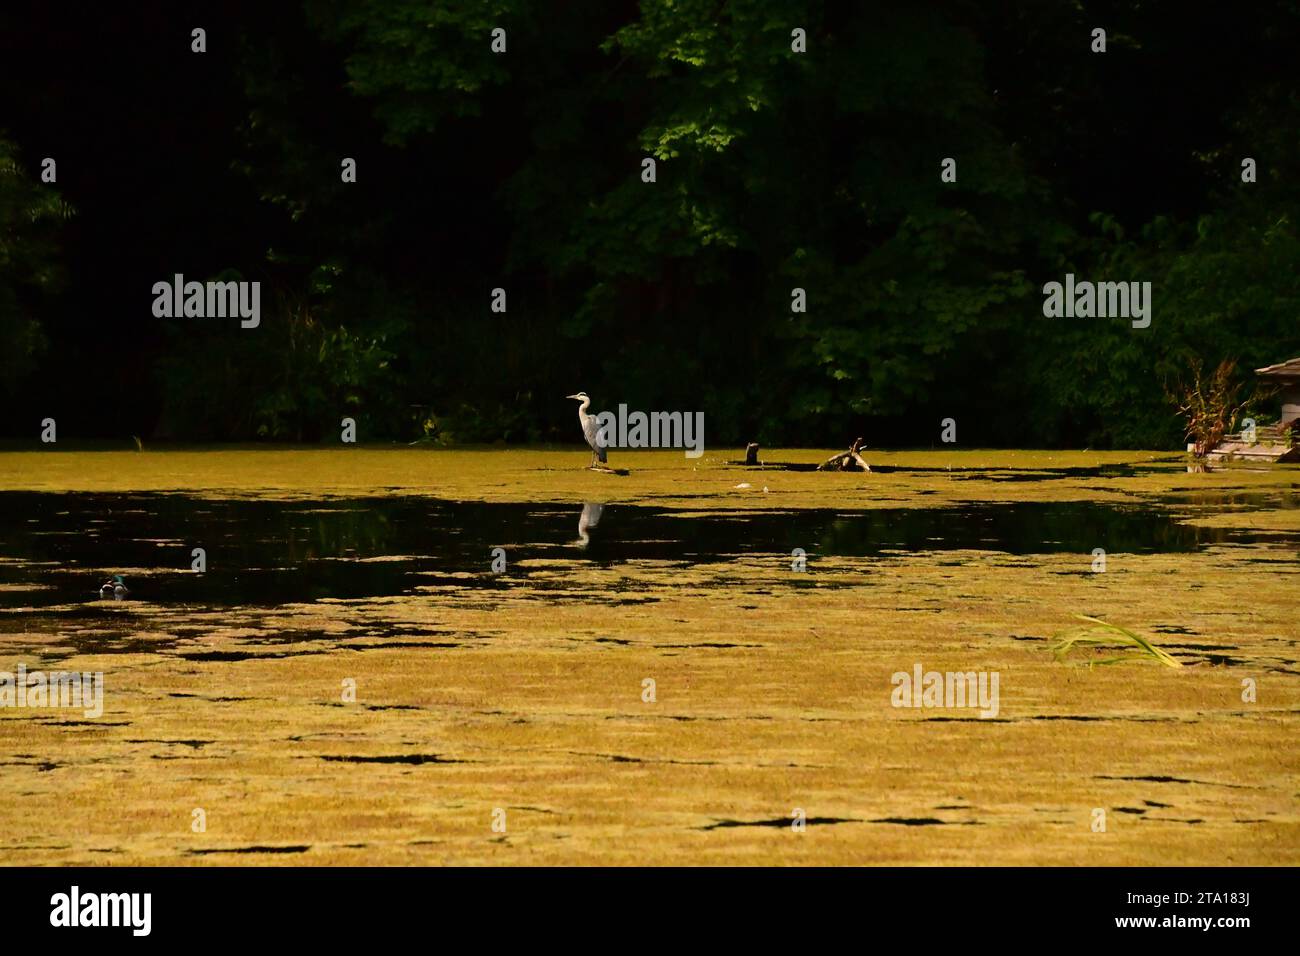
{"points": [[775, 170]]}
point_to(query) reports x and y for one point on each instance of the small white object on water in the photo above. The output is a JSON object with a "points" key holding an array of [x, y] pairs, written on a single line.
{"points": [[744, 484]]}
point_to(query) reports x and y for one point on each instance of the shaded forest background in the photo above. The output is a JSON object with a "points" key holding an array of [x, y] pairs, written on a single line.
{"points": [[775, 170]]}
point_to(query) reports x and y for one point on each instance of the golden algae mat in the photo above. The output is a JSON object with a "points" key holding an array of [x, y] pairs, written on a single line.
{"points": [[642, 674]]}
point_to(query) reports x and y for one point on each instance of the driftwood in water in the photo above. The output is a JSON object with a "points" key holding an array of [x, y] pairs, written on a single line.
{"points": [[751, 453], [846, 461]]}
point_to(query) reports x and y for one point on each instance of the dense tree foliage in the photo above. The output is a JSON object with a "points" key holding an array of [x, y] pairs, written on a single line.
{"points": [[29, 265], [775, 170]]}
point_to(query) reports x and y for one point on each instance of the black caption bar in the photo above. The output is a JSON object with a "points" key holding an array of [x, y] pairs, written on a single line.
{"points": [[332, 906]]}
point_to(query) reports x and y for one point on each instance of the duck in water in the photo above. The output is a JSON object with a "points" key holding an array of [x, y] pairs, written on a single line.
{"points": [[114, 588]]}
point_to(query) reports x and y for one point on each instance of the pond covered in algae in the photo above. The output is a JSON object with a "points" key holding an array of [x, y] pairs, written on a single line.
{"points": [[349, 681]]}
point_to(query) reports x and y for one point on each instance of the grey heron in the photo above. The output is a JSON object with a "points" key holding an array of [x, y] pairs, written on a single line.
{"points": [[590, 429]]}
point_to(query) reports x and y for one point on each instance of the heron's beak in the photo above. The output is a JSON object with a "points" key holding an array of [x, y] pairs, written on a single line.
{"points": [[571, 396]]}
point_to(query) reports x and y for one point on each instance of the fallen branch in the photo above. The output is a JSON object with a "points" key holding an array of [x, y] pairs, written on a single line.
{"points": [[846, 461]]}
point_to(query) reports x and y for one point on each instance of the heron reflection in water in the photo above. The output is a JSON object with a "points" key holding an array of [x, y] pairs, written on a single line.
{"points": [[589, 518]]}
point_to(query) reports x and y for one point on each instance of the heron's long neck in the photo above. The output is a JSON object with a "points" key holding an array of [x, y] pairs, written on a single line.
{"points": [[582, 409]]}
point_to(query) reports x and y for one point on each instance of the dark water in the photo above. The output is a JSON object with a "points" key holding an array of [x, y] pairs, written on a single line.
{"points": [[273, 552], [1286, 499]]}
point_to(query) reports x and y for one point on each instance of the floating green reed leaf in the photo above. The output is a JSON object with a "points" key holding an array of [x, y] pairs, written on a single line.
{"points": [[1098, 633]]}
